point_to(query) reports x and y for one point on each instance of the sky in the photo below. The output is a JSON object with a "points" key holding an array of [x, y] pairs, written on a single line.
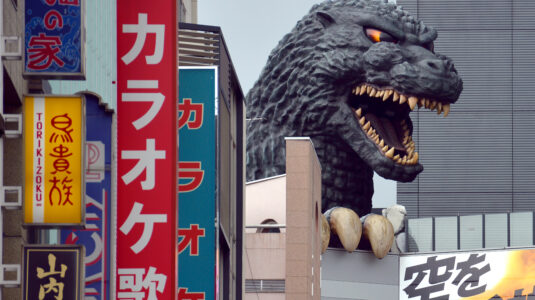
{"points": [[252, 28]]}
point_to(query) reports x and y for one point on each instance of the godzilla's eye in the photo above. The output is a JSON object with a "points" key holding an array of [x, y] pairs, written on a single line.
{"points": [[377, 36]]}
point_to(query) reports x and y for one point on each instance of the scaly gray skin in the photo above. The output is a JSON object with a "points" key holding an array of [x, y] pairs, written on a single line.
{"points": [[306, 90]]}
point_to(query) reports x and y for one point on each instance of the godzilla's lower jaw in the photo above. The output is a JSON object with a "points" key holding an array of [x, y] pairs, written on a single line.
{"points": [[383, 115]]}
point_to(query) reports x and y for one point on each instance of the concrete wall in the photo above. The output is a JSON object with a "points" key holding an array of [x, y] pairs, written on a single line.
{"points": [[15, 86], [358, 276], [303, 206], [266, 199]]}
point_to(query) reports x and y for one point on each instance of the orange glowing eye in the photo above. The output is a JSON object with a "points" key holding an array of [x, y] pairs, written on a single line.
{"points": [[377, 36]]}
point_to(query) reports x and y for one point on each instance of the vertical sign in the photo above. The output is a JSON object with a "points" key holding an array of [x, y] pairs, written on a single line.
{"points": [[197, 183], [96, 235], [52, 272], [54, 39], [54, 135], [146, 265]]}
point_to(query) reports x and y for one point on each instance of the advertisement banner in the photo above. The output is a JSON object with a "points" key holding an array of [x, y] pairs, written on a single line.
{"points": [[484, 275], [54, 140], [52, 272], [146, 245], [96, 235], [197, 183], [54, 39]]}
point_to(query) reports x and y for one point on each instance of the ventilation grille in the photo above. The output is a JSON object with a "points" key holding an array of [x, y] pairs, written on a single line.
{"points": [[264, 285], [198, 48]]}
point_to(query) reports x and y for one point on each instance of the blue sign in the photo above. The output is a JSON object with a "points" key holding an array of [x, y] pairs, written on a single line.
{"points": [[54, 39], [96, 235], [197, 183]]}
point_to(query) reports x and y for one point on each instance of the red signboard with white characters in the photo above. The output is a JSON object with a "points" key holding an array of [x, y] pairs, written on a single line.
{"points": [[146, 264]]}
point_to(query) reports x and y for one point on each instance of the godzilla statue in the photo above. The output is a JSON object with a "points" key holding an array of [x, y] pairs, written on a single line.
{"points": [[347, 76]]}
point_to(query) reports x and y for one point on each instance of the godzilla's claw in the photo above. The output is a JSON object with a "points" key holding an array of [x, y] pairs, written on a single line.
{"points": [[325, 234], [346, 224], [379, 231]]}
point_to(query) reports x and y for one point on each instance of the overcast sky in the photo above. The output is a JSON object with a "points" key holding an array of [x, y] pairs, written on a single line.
{"points": [[252, 28]]}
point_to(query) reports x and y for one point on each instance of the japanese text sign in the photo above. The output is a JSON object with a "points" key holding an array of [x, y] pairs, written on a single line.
{"points": [[146, 245], [54, 139], [96, 235], [52, 272], [197, 179], [504, 274], [54, 39]]}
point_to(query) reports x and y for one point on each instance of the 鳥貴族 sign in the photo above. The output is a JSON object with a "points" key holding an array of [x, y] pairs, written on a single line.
{"points": [[197, 183], [52, 272], [54, 141], [96, 235], [146, 239], [499, 274], [54, 39]]}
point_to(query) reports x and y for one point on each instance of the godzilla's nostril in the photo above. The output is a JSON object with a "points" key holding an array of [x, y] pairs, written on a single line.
{"points": [[433, 65]]}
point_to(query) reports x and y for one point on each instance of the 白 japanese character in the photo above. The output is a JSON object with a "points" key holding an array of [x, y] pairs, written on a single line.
{"points": [[132, 279], [147, 220], [146, 162], [141, 29], [157, 100]]}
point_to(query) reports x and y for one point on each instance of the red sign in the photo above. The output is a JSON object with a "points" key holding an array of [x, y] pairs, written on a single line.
{"points": [[147, 150]]}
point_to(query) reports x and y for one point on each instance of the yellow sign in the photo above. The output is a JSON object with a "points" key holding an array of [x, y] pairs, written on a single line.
{"points": [[54, 138]]}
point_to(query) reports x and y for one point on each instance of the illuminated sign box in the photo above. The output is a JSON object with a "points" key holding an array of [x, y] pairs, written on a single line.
{"points": [[52, 272], [54, 144], [54, 39], [492, 274]]}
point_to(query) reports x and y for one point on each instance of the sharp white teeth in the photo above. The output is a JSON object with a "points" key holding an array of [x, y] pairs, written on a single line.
{"points": [[446, 109], [439, 108], [361, 121], [366, 126], [402, 99], [359, 112], [381, 143], [385, 148], [387, 95], [357, 90], [380, 94], [396, 96], [372, 93], [412, 102], [390, 153], [362, 90], [368, 89], [396, 157]]}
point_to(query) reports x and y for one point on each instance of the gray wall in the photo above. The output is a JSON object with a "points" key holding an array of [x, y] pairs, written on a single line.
{"points": [[479, 159], [358, 276]]}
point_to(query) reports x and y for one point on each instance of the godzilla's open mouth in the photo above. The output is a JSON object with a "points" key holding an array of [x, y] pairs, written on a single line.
{"points": [[383, 115]]}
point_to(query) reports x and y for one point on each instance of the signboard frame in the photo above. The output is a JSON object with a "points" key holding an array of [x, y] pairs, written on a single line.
{"points": [[78, 250], [82, 164], [58, 75], [196, 214], [147, 109]]}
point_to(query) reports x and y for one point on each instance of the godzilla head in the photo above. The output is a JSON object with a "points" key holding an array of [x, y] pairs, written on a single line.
{"points": [[355, 69]]}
